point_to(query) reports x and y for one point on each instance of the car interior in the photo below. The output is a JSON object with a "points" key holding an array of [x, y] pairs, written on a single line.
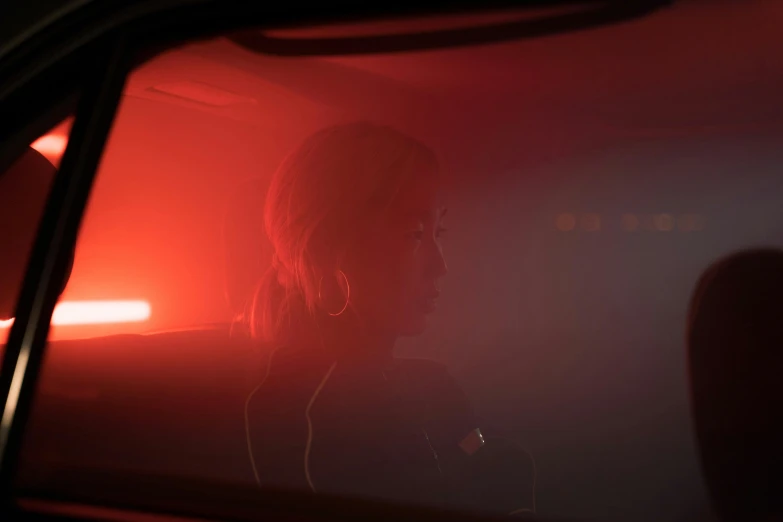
{"points": [[593, 177]]}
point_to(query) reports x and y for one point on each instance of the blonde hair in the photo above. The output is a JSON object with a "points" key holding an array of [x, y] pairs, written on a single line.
{"points": [[324, 195]]}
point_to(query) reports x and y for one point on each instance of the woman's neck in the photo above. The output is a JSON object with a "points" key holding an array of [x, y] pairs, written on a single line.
{"points": [[347, 339]]}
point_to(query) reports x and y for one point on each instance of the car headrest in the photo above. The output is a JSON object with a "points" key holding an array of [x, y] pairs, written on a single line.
{"points": [[735, 352], [24, 188], [248, 251]]}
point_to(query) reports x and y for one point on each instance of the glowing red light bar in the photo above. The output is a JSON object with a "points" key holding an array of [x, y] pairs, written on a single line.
{"points": [[96, 312], [100, 312]]}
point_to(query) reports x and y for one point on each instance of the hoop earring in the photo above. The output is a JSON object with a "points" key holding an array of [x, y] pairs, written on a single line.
{"points": [[347, 297]]}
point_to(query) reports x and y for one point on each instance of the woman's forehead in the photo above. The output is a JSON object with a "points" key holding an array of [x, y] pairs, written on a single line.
{"points": [[419, 196]]}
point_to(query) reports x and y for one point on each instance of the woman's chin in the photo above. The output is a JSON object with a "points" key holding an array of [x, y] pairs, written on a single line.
{"points": [[415, 327]]}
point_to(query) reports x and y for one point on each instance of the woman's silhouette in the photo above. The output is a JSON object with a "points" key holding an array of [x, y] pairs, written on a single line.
{"points": [[355, 216]]}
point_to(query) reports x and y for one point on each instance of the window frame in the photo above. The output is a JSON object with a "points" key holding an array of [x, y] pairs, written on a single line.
{"points": [[55, 238], [88, 52]]}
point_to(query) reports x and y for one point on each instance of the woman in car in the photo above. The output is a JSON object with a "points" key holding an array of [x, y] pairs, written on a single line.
{"points": [[356, 216]]}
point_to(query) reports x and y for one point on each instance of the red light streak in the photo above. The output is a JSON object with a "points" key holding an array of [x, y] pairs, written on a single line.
{"points": [[70, 313], [50, 145]]}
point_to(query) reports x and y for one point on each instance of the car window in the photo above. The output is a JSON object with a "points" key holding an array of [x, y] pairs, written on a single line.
{"points": [[24, 187], [455, 278]]}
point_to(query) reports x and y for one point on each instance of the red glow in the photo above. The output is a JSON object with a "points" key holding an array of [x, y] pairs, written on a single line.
{"points": [[203, 93], [51, 145], [96, 312]]}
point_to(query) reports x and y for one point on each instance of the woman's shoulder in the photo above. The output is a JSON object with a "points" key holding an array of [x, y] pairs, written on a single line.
{"points": [[286, 378], [444, 403], [431, 377], [425, 369]]}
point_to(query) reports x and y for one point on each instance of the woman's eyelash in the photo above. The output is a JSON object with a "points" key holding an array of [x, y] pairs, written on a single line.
{"points": [[419, 234]]}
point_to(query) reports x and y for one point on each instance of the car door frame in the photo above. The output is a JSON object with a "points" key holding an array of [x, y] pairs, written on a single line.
{"points": [[88, 53]]}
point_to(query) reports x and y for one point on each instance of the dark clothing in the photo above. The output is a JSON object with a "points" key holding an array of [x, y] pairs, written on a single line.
{"points": [[389, 431]]}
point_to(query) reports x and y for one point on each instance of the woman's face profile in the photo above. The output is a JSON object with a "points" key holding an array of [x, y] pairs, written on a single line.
{"points": [[395, 272]]}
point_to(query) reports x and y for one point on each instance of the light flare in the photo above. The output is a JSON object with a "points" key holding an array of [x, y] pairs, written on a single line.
{"points": [[69, 313], [51, 145]]}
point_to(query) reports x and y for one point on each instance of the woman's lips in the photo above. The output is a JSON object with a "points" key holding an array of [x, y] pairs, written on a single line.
{"points": [[429, 304]]}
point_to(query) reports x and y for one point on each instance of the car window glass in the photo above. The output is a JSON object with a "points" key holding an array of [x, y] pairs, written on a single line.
{"points": [[326, 274], [24, 187]]}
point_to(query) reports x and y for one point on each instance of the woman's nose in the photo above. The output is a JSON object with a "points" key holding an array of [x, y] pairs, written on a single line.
{"points": [[437, 262]]}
